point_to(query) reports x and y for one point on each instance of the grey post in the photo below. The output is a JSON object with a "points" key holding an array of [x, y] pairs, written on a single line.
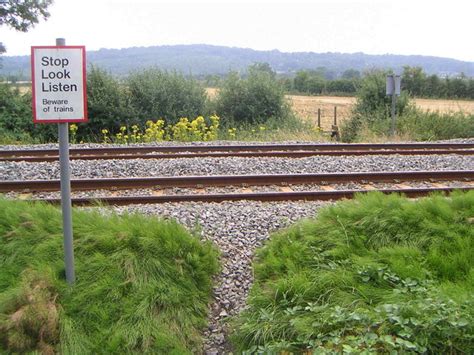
{"points": [[319, 118], [335, 115], [63, 130]]}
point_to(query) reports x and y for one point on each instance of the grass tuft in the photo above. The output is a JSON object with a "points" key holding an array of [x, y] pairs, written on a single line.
{"points": [[376, 274], [142, 284]]}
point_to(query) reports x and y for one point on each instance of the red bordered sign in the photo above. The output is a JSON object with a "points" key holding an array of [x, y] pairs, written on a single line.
{"points": [[59, 84]]}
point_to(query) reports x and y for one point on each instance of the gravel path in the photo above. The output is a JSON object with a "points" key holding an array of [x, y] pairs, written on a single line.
{"points": [[237, 228]]}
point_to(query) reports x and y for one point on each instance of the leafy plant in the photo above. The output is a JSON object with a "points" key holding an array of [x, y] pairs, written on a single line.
{"points": [[379, 274], [170, 95], [252, 100], [108, 104]]}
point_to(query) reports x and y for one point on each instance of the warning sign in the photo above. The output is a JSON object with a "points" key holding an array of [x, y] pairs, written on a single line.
{"points": [[59, 84]]}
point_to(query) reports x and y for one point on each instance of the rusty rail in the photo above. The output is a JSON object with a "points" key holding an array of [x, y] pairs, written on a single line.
{"points": [[263, 196], [233, 180], [282, 150], [277, 154]]}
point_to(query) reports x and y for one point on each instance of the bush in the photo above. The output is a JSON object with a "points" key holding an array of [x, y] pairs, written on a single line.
{"points": [[372, 101], [372, 110], [253, 100], [379, 274], [15, 110], [418, 125], [157, 94], [16, 118], [108, 104]]}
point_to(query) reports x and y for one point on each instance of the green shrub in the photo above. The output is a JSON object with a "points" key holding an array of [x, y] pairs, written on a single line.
{"points": [[372, 101], [252, 100], [157, 94], [425, 126], [16, 118], [143, 284], [15, 109], [372, 110], [108, 104], [379, 274]]}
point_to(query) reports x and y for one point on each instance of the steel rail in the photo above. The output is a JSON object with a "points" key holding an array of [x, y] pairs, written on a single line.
{"points": [[236, 180], [280, 154], [235, 148], [263, 196]]}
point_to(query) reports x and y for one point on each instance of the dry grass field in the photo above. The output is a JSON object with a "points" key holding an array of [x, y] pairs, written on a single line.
{"points": [[307, 106]]}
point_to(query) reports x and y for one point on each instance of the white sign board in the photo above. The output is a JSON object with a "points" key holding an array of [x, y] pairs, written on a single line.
{"points": [[59, 84], [393, 84]]}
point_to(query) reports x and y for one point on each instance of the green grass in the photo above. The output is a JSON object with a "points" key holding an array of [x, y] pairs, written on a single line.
{"points": [[426, 126], [142, 284], [377, 274], [413, 125]]}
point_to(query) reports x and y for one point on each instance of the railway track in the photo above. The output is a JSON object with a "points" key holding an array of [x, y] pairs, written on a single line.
{"points": [[235, 180], [268, 150], [261, 196], [245, 181]]}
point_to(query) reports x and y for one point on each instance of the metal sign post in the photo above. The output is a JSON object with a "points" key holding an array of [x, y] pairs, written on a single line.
{"points": [[393, 88], [59, 96], [66, 205]]}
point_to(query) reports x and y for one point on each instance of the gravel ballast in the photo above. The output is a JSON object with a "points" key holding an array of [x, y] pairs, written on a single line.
{"points": [[233, 166], [237, 228]]}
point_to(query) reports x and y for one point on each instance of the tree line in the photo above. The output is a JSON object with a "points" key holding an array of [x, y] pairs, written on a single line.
{"points": [[415, 81]]}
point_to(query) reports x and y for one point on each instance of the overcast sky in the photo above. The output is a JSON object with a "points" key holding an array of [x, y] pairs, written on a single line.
{"points": [[438, 28]]}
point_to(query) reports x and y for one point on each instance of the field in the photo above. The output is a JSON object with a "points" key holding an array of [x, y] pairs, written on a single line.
{"points": [[307, 106]]}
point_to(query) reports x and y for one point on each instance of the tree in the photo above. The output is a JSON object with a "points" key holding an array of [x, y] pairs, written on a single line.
{"points": [[158, 94], [2, 50], [252, 100], [372, 109], [261, 67], [107, 103], [21, 15], [413, 79], [351, 74], [310, 81]]}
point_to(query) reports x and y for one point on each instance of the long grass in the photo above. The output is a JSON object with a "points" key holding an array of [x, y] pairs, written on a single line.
{"points": [[142, 284], [414, 125], [377, 274]]}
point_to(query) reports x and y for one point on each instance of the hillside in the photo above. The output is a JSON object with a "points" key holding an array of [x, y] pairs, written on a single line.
{"points": [[202, 60]]}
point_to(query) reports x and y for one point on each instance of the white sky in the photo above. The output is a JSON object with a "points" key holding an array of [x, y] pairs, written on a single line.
{"points": [[438, 28]]}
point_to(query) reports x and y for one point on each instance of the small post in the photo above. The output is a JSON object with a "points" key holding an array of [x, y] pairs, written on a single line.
{"points": [[394, 105], [319, 118], [335, 115], [66, 206], [393, 84]]}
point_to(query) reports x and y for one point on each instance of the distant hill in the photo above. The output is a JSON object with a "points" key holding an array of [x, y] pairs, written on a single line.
{"points": [[201, 60]]}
